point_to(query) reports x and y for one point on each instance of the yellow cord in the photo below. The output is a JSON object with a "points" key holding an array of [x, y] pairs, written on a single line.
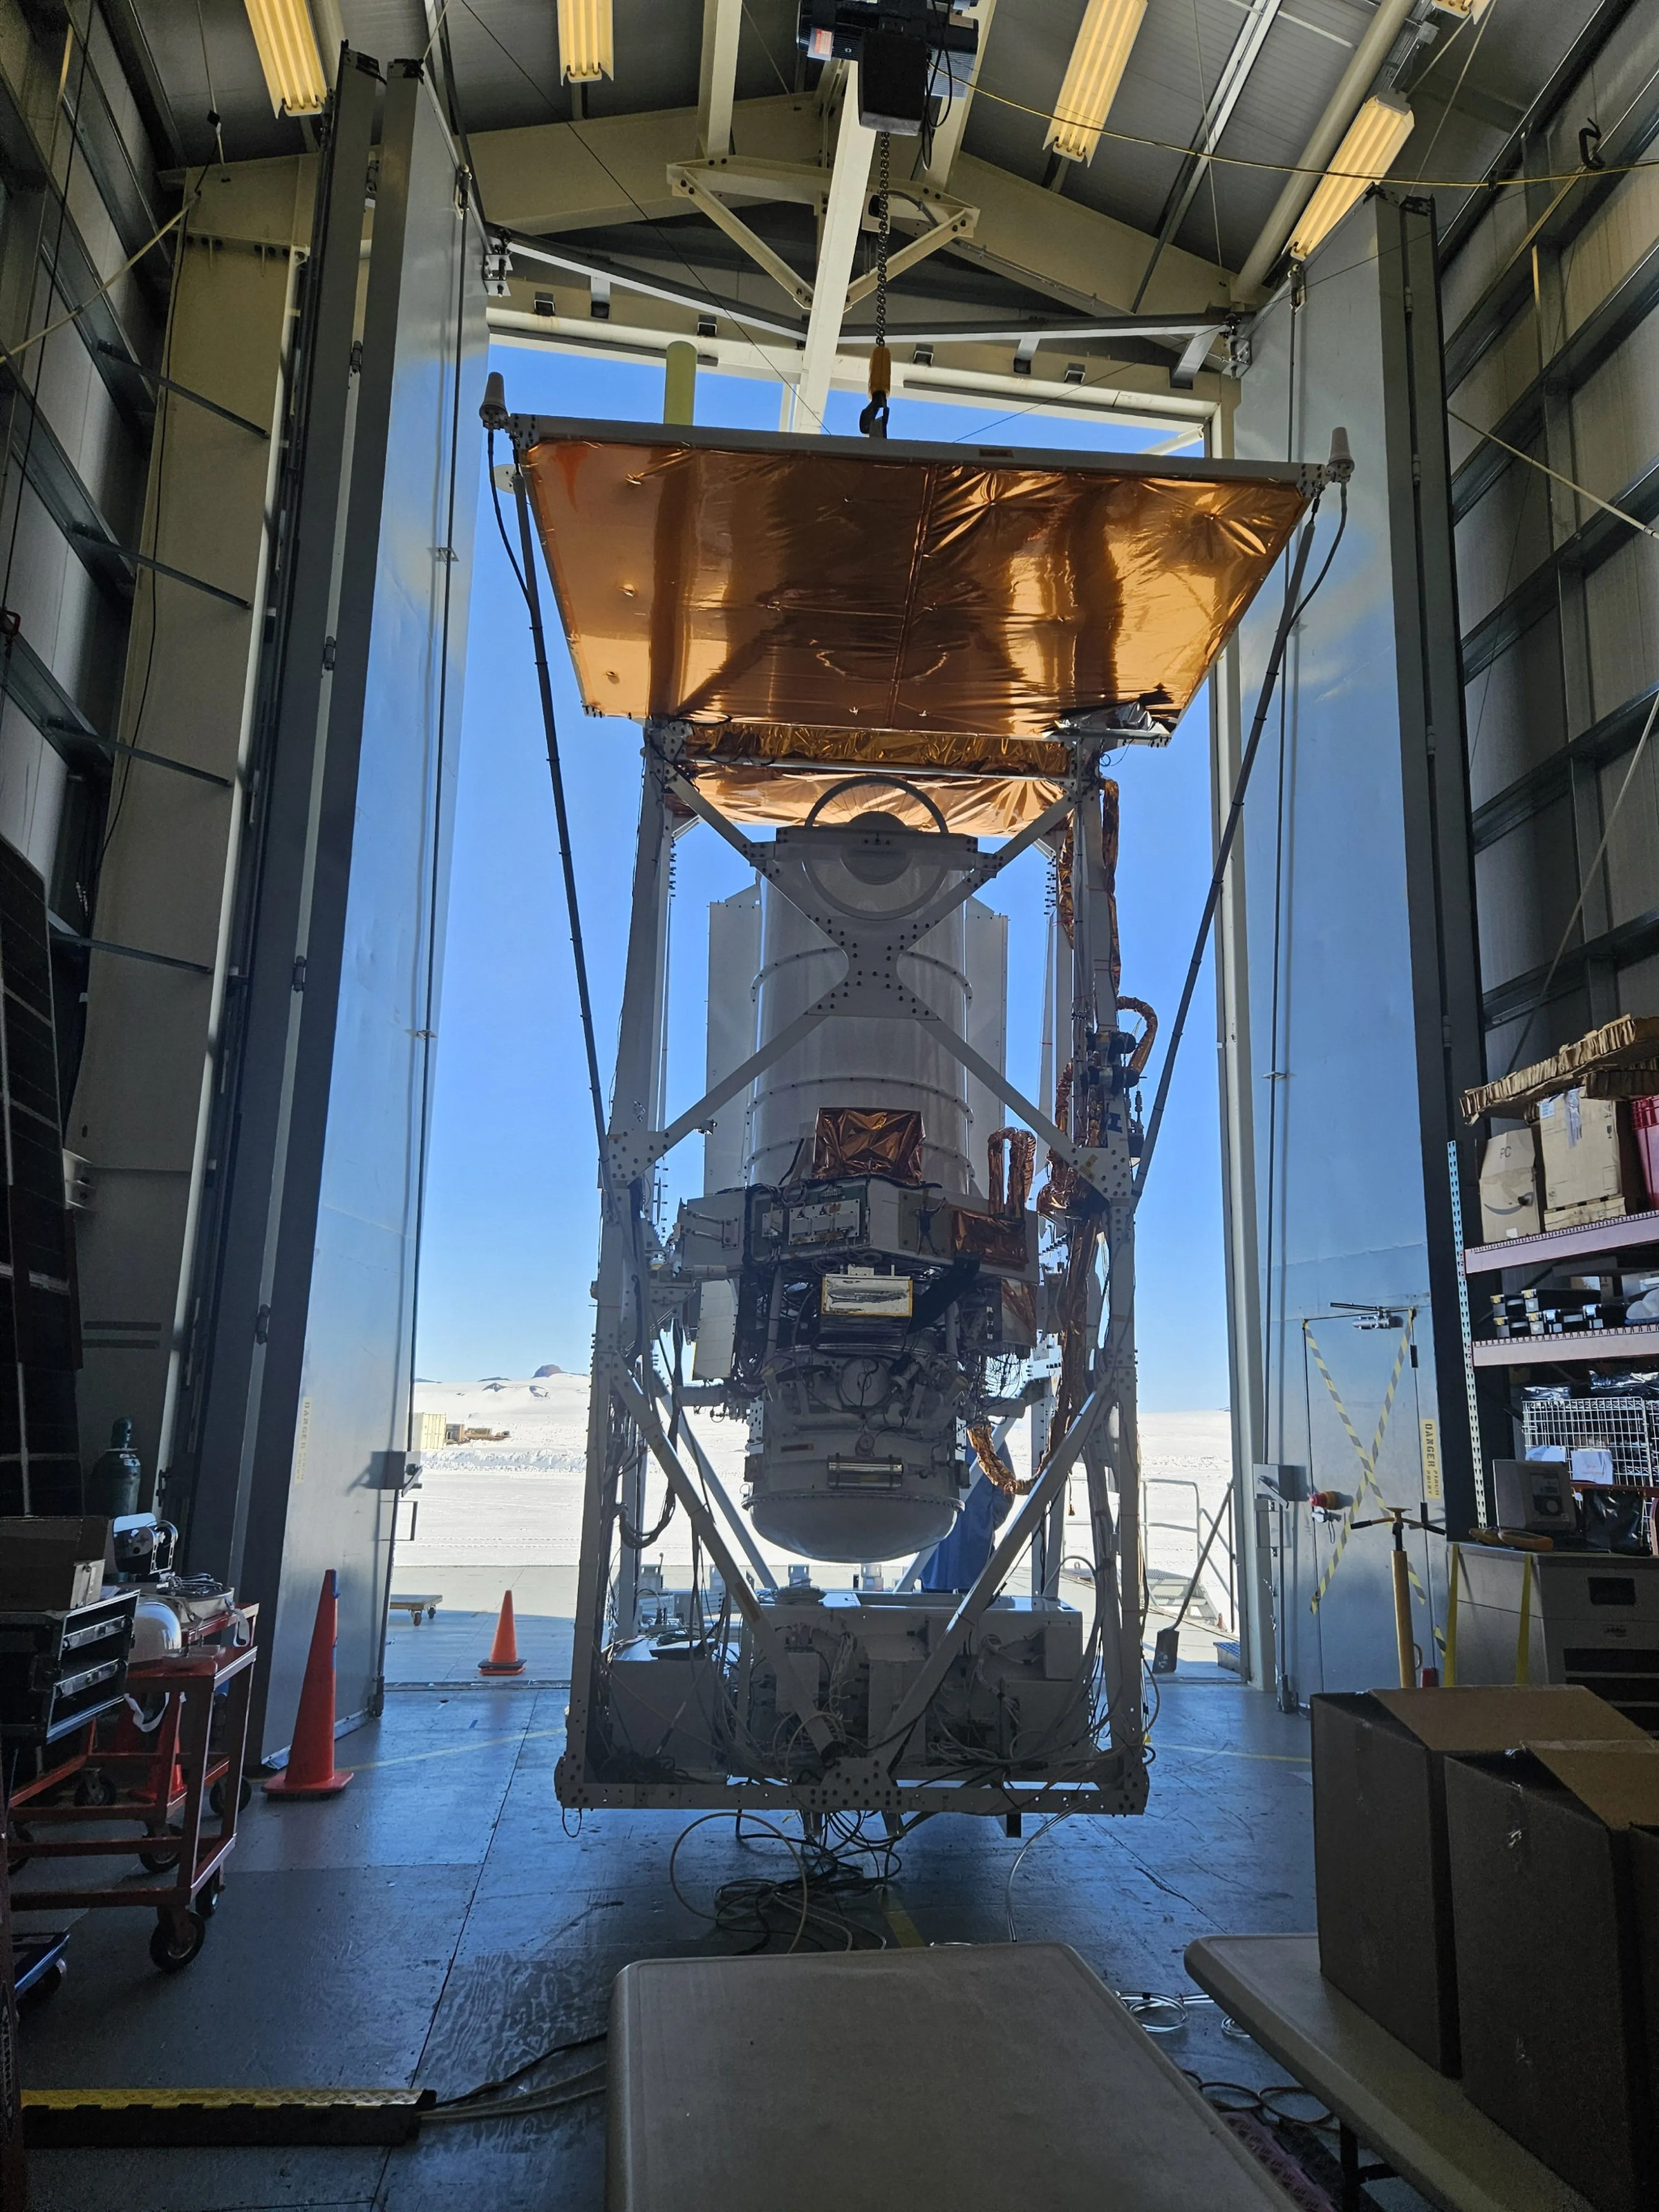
{"points": [[1299, 169]]}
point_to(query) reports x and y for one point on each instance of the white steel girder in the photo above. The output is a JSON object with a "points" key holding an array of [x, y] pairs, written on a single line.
{"points": [[722, 22], [946, 141], [805, 400]]}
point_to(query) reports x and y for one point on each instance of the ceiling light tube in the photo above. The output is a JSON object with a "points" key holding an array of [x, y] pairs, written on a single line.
{"points": [[586, 46], [289, 54], [1092, 76], [1364, 158]]}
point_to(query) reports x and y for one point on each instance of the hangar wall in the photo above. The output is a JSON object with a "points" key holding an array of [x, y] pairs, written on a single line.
{"points": [[79, 198], [255, 1095], [1552, 344], [1351, 997]]}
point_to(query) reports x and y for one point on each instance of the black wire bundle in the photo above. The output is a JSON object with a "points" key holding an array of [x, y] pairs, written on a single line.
{"points": [[806, 1908]]}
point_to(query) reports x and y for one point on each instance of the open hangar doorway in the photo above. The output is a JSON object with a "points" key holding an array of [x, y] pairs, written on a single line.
{"points": [[513, 1253]]}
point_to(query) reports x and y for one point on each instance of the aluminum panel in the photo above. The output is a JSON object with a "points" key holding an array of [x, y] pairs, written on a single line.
{"points": [[734, 940], [392, 756], [987, 1028], [1339, 851]]}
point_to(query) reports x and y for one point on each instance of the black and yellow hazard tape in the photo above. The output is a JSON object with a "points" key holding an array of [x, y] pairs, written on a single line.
{"points": [[217, 2119], [1368, 1484]]}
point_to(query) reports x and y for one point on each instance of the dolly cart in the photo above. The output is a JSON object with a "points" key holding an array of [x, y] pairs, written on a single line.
{"points": [[179, 1771]]}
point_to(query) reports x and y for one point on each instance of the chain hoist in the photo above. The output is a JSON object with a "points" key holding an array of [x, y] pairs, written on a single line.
{"points": [[873, 421]]}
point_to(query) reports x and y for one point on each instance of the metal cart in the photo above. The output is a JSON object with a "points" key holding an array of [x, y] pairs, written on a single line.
{"points": [[174, 1786]]}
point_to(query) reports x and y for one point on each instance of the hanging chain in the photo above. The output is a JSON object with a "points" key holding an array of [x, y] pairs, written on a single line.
{"points": [[873, 421], [882, 236]]}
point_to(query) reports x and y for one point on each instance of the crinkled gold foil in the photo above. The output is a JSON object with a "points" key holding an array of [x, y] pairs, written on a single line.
{"points": [[977, 599]]}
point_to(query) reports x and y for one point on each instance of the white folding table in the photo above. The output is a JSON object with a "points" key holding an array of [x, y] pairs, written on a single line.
{"points": [[963, 2078], [1385, 2096]]}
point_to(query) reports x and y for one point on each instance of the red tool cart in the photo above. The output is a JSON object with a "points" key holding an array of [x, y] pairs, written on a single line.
{"points": [[172, 1778]]}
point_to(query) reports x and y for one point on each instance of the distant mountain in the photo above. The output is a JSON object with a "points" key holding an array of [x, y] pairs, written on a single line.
{"points": [[548, 1370]]}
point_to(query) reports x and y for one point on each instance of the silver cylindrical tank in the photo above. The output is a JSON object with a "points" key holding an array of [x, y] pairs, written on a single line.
{"points": [[854, 1452], [848, 1060]]}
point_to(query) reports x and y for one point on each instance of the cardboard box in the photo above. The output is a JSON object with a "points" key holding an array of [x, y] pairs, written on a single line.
{"points": [[51, 1564], [1591, 1169], [1508, 1187], [1381, 1869], [1555, 1908]]}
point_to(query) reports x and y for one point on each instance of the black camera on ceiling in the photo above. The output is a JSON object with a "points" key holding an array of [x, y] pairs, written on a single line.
{"points": [[903, 48]]}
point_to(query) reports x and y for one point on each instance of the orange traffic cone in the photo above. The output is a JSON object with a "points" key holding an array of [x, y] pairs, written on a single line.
{"points": [[310, 1771], [504, 1651]]}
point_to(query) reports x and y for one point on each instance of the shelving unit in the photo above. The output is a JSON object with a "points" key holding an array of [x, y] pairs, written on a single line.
{"points": [[1625, 1232], [1576, 1346]]}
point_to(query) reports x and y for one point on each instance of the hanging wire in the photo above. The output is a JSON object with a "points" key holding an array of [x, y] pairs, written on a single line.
{"points": [[1554, 475]]}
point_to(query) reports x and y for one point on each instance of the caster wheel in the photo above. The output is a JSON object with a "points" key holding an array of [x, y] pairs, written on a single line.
{"points": [[243, 1797], [45, 1989], [95, 1788], [173, 1951], [432, 1612], [207, 1897], [156, 1858]]}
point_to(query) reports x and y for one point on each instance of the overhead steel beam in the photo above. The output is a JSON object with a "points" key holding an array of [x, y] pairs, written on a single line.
{"points": [[589, 266], [722, 22], [940, 152], [1572, 65], [1235, 74], [1343, 106], [542, 179], [1132, 393], [803, 403]]}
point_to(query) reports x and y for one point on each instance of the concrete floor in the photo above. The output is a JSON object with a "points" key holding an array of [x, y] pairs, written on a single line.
{"points": [[439, 1923]]}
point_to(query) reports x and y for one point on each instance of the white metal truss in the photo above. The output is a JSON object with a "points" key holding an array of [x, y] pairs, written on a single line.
{"points": [[1102, 1437]]}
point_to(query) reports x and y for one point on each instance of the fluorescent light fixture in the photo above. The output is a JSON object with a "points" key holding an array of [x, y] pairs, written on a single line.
{"points": [[587, 48], [1364, 158], [1092, 76], [289, 54]]}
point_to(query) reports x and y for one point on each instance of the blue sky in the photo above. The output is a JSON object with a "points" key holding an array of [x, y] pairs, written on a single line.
{"points": [[512, 1206]]}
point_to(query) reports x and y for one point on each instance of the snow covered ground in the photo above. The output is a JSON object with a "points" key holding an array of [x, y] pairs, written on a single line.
{"points": [[496, 1515]]}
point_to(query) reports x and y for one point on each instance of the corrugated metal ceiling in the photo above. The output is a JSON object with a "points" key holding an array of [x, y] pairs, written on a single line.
{"points": [[507, 69]]}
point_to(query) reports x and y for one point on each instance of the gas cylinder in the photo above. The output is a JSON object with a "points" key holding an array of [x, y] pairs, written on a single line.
{"points": [[117, 1476]]}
